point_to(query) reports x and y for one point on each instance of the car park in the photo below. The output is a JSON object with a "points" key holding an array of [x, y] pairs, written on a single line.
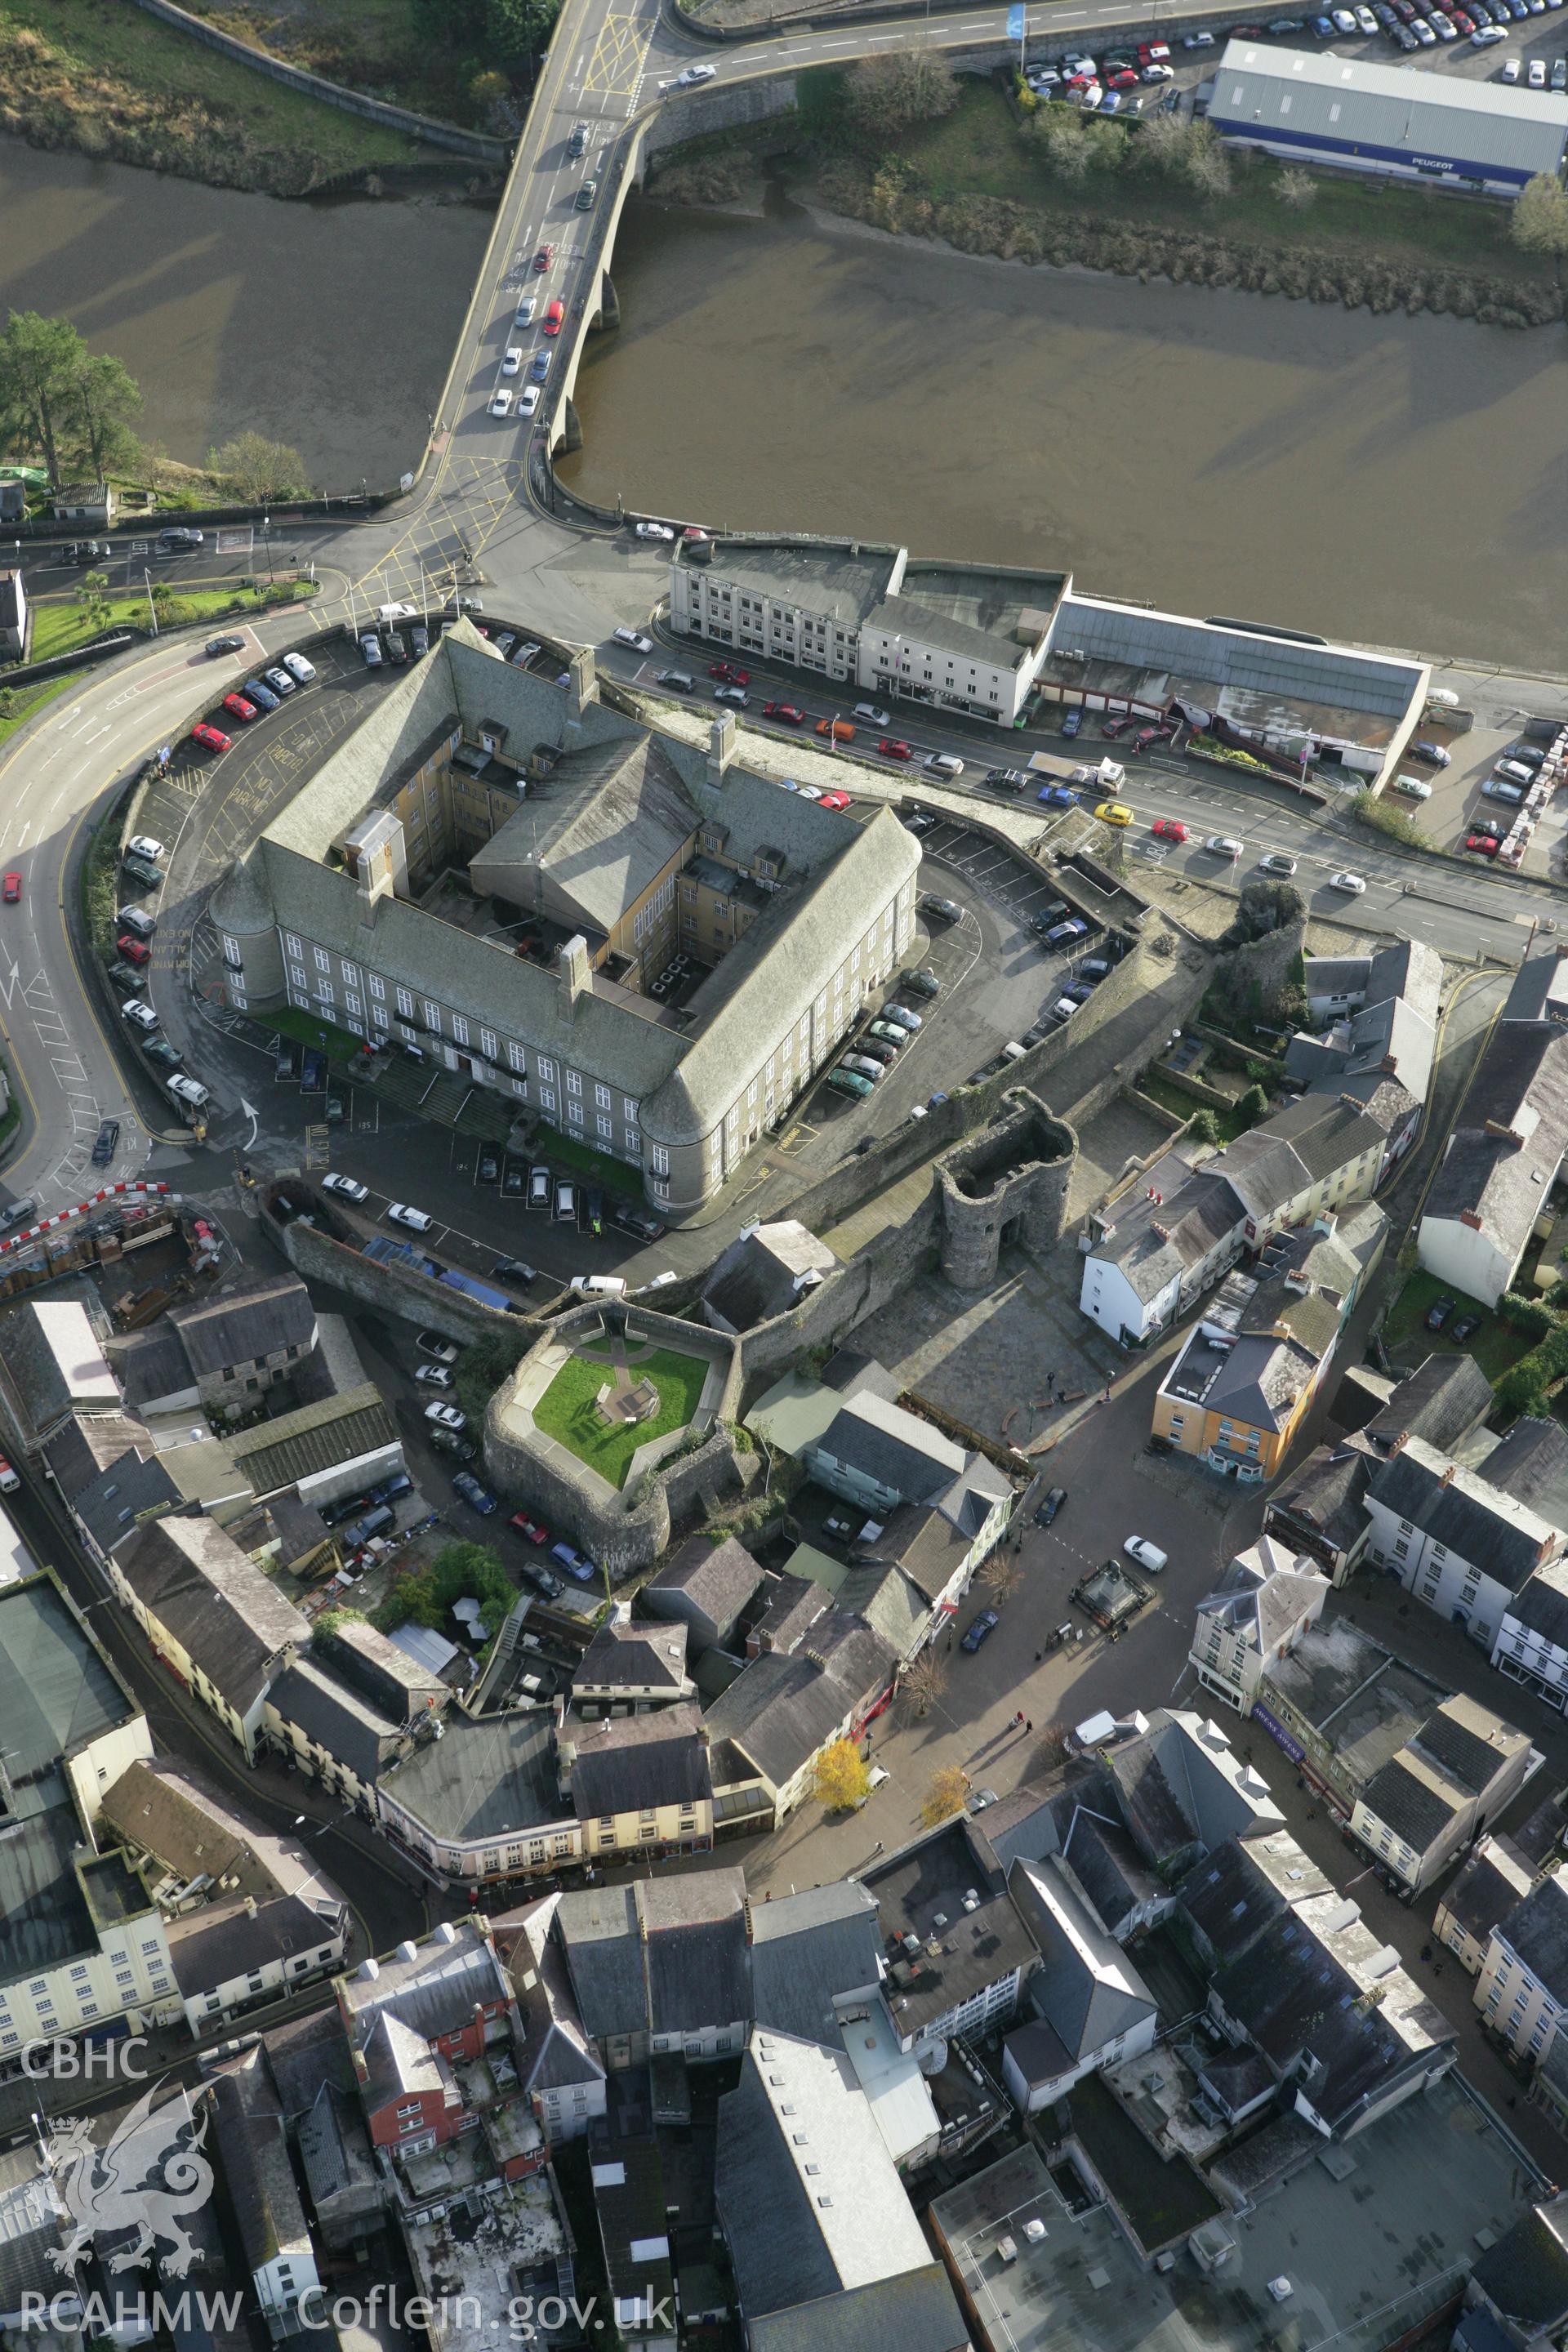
{"points": [[630, 1219], [1466, 1327], [890, 1032], [980, 1628], [446, 1416], [262, 696], [279, 680], [862, 1066], [1482, 845], [134, 950], [237, 708], [1147, 1555], [904, 1018], [565, 1201], [574, 1562], [531, 1531], [348, 1189], [301, 671], [513, 1269], [921, 983], [1353, 885], [1560, 74], [187, 1090], [845, 1081], [1415, 788], [1517, 772], [833, 800], [211, 738], [369, 650], [1061, 934], [539, 1188], [1497, 788]]}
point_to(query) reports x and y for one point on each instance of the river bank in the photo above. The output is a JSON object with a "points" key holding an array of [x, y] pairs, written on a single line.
{"points": [[1395, 480], [328, 326], [109, 81]]}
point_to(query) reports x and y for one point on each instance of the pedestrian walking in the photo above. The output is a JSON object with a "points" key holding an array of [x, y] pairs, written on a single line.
{"points": [[1018, 1718], [1030, 1725], [1039, 1657]]}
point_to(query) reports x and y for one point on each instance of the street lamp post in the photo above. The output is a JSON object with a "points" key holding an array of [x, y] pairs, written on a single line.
{"points": [[266, 542]]}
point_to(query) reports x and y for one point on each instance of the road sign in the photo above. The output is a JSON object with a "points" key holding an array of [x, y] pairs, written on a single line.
{"points": [[1016, 24]]}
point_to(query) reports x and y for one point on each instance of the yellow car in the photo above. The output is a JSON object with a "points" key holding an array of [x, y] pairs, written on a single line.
{"points": [[1114, 812]]}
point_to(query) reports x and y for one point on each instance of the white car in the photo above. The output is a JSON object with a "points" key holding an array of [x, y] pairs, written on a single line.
{"points": [[1444, 696], [528, 401], [655, 530], [1485, 35], [1277, 863], [347, 1187], [1157, 73], [690, 77], [525, 311], [298, 668], [638, 645], [1511, 68], [141, 1015], [187, 1090], [9, 1482], [512, 363], [1352, 883], [434, 1376], [872, 716], [500, 401], [433, 1344], [142, 845], [1224, 845], [280, 680], [446, 1416], [418, 1220], [807, 792], [1538, 73], [1367, 21], [1415, 788], [1146, 1554]]}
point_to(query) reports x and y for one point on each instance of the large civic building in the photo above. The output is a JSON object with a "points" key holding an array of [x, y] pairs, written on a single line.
{"points": [[624, 937], [1309, 106]]}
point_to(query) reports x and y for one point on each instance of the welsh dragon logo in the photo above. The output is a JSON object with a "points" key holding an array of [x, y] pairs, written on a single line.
{"points": [[145, 2179]]}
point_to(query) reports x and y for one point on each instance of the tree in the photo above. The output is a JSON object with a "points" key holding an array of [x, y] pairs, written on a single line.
{"points": [[1253, 1106], [842, 1778], [40, 360], [104, 396], [1001, 1576], [516, 31], [946, 1795], [1296, 188], [258, 469], [1162, 144], [1207, 164], [887, 94], [926, 1679], [1539, 222], [1522, 1392], [1061, 134], [1202, 1126], [92, 595]]}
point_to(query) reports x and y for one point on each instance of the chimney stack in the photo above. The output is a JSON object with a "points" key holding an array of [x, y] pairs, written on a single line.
{"points": [[722, 741], [576, 972], [581, 685]]}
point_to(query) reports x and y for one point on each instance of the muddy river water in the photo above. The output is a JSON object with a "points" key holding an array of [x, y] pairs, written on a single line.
{"points": [[1400, 480]]}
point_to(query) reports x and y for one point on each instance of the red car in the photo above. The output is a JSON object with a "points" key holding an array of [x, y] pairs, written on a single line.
{"points": [[1115, 726], [892, 748], [12, 889], [543, 258], [1154, 53], [1484, 844], [134, 950], [237, 708], [528, 1529], [1168, 828], [1125, 80], [553, 318], [211, 738], [785, 711], [833, 800], [728, 675]]}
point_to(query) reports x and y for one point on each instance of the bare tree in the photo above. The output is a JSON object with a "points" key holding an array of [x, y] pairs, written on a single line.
{"points": [[946, 1795], [1540, 220], [926, 1679], [1208, 164], [1296, 188], [1163, 143], [1001, 1576], [890, 93]]}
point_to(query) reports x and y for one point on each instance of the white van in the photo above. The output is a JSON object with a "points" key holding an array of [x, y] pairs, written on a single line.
{"points": [[599, 1285]]}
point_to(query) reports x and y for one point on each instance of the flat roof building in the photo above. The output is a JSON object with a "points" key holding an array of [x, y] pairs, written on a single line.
{"points": [[1310, 105]]}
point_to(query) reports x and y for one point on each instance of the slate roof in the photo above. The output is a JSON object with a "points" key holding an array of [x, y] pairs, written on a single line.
{"points": [[601, 1935], [86, 1443], [1539, 989], [1525, 2273], [232, 1620], [1038, 2052], [1173, 1792], [1520, 1087], [596, 832], [335, 1717], [1486, 1889], [135, 1489], [335, 2151], [1412, 1808], [894, 1447], [784, 1705], [261, 2179], [1529, 1462], [481, 1777], [224, 1942], [399, 2063], [891, 1603], [806, 1948], [152, 1365], [1469, 1743], [1537, 1933], [716, 1578], [1541, 1603], [1328, 1492], [1153, 1243], [1085, 1988], [1458, 1508], [194, 1831], [633, 1763], [1442, 1399], [1336, 975], [694, 1933], [640, 1657], [764, 1273], [913, 2311], [436, 1993], [1324, 1133], [1265, 1592], [925, 1544], [256, 1317]]}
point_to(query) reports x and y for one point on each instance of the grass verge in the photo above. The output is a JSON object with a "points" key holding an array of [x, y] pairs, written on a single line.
{"points": [[107, 80], [567, 1411], [99, 873], [598, 1165], [17, 703], [376, 46], [59, 627], [1180, 1106], [1495, 1347], [338, 1045]]}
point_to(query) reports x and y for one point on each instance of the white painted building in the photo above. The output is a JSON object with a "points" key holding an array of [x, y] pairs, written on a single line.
{"points": [[1460, 1544], [1522, 1989], [1267, 1599], [1531, 1645]]}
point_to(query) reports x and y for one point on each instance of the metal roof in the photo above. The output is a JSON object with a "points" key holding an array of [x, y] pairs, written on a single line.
{"points": [[1402, 112], [1250, 659]]}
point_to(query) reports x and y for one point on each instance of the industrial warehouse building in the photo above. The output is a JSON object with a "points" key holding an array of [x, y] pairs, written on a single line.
{"points": [[1310, 105]]}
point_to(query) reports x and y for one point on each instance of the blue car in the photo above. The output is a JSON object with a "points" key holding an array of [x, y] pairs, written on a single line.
{"points": [[262, 696], [1323, 26], [540, 368], [1071, 724], [474, 1494], [1058, 796], [1075, 928], [981, 1629]]}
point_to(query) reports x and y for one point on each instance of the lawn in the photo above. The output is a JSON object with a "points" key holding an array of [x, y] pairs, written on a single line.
{"points": [[597, 1166], [567, 1412], [1405, 1337], [19, 703], [338, 1045], [105, 77], [1182, 1105], [60, 624], [978, 151]]}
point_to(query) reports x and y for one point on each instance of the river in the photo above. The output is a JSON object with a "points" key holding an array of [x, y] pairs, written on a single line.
{"points": [[328, 325], [1395, 480]]}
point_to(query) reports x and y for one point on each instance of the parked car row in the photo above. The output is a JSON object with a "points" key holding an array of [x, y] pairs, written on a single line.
{"points": [[386, 642], [255, 698], [873, 1053]]}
